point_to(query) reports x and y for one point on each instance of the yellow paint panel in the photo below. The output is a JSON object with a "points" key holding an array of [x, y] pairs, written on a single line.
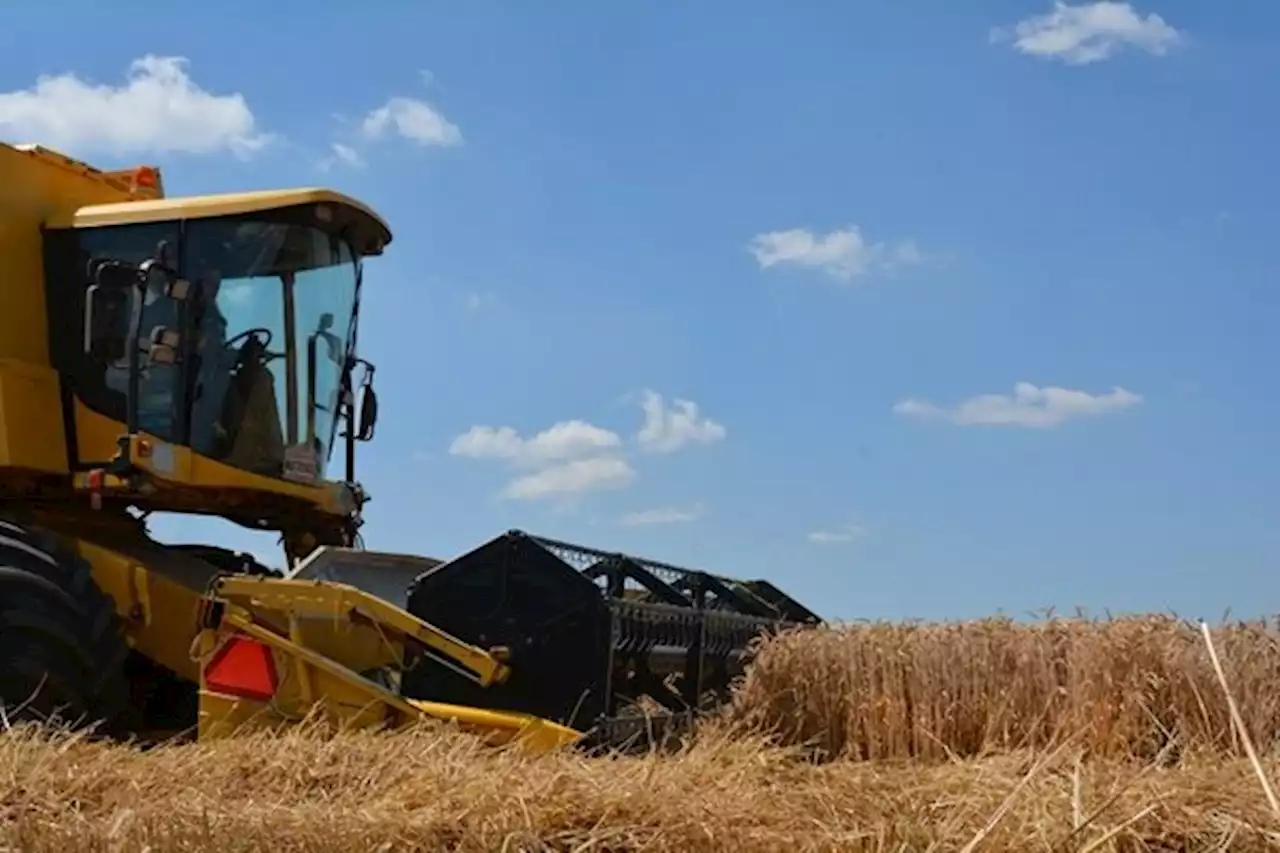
{"points": [[226, 716], [161, 615], [203, 471], [96, 434], [31, 433], [96, 441]]}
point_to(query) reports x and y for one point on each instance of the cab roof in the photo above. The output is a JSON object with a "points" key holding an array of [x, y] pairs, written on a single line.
{"points": [[371, 232]]}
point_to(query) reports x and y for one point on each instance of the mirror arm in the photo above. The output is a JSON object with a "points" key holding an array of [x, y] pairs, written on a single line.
{"points": [[311, 391], [349, 437]]}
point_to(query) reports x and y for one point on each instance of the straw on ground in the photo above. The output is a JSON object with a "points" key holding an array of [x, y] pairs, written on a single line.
{"points": [[1065, 735], [433, 790]]}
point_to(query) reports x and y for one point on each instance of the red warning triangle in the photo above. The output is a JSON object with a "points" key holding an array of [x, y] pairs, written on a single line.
{"points": [[242, 667]]}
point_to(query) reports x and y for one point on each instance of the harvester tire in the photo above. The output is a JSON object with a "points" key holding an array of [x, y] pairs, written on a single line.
{"points": [[62, 646]]}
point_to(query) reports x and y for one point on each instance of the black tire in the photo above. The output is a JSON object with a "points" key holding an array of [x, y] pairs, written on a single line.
{"points": [[62, 646]]}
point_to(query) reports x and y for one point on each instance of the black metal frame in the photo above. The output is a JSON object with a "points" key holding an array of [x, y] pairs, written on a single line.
{"points": [[668, 621], [676, 585], [594, 634]]}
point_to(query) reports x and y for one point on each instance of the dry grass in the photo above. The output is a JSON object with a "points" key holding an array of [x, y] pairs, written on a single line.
{"points": [[436, 790], [988, 736], [1122, 688]]}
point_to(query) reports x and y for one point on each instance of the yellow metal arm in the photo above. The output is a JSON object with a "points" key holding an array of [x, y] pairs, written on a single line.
{"points": [[353, 699], [309, 598]]}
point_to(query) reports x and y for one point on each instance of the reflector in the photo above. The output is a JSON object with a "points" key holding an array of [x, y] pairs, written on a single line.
{"points": [[242, 667]]}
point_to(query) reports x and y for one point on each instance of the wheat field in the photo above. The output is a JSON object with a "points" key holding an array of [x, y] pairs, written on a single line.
{"points": [[1124, 688], [982, 736]]}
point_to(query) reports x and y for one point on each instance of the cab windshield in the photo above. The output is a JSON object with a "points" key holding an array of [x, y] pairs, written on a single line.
{"points": [[275, 302]]}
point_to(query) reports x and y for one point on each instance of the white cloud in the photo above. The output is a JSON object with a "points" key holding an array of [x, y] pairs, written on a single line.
{"points": [[663, 515], [843, 254], [666, 430], [157, 109], [564, 440], [1092, 32], [572, 478], [348, 155], [841, 535], [413, 119], [340, 153], [568, 458], [574, 456], [1029, 406]]}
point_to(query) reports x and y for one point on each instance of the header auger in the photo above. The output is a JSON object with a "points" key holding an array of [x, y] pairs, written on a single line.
{"points": [[199, 355]]}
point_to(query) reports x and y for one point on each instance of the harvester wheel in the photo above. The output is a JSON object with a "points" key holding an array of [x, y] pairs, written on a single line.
{"points": [[62, 647]]}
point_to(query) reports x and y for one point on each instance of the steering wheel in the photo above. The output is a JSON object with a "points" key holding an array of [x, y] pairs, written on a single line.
{"points": [[256, 332]]}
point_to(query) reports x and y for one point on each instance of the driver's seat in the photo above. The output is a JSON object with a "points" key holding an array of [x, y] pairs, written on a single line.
{"points": [[251, 415]]}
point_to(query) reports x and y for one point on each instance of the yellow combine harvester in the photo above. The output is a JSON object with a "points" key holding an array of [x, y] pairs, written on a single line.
{"points": [[198, 355]]}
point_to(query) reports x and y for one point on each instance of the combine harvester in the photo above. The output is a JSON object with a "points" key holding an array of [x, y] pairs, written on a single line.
{"points": [[198, 355]]}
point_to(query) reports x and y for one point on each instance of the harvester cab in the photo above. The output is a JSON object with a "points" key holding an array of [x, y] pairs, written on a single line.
{"points": [[220, 333], [199, 355]]}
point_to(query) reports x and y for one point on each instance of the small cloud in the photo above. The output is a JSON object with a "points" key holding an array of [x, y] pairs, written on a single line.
{"points": [[412, 119], [663, 515], [567, 459], [841, 535], [575, 456], [157, 109], [843, 254], [340, 153], [1091, 32], [348, 155], [666, 430], [564, 440], [572, 478], [1029, 406]]}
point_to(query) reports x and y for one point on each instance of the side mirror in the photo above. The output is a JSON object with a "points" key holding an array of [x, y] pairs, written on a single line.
{"points": [[368, 407]]}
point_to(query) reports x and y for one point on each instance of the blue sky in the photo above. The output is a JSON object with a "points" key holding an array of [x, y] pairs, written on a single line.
{"points": [[860, 239]]}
